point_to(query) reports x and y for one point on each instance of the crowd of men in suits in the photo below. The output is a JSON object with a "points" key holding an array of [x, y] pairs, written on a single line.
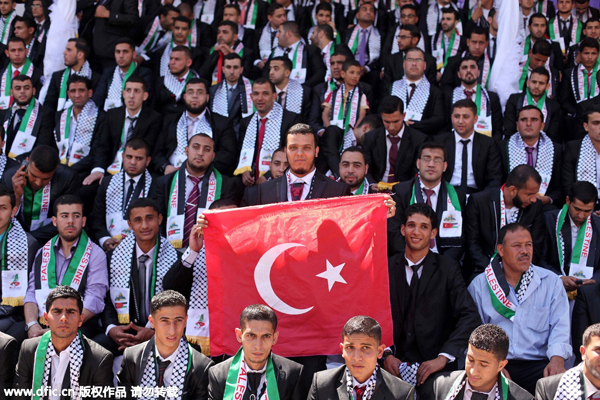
{"points": [[167, 108]]}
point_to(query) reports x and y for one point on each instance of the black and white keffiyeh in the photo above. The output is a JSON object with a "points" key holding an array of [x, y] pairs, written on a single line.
{"points": [[371, 382], [586, 163], [272, 130], [75, 351], [16, 252], [374, 42], [199, 297], [221, 103], [459, 385], [115, 190], [571, 385], [165, 58], [265, 45], [203, 126], [86, 124], [177, 376], [205, 11], [524, 283], [115, 90], [85, 71], [408, 372], [433, 18], [3, 160], [293, 96], [420, 97], [545, 154], [174, 85]]}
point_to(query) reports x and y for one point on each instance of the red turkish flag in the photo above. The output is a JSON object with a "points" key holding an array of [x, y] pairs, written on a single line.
{"points": [[317, 263]]}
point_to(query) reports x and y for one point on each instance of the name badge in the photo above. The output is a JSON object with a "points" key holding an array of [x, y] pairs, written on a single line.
{"points": [[451, 225]]}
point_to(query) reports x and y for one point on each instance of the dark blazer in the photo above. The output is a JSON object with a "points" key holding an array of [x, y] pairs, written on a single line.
{"points": [[287, 372], [51, 100], [261, 14], [566, 97], [331, 384], [546, 387], [275, 190], [101, 90], [165, 101], [211, 61], [394, 68], [121, 22], [146, 127], [445, 314], [376, 155], [85, 165], [134, 363], [223, 136], [569, 164], [554, 191], [9, 351], [312, 61], [450, 78], [438, 388], [434, 117], [449, 247], [486, 161], [552, 124], [42, 130], [482, 224], [96, 369], [178, 278], [586, 312], [64, 181], [288, 120]]}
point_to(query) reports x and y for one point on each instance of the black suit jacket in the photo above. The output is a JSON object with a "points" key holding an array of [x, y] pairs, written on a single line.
{"points": [[178, 278], [586, 312], [569, 164], [450, 78], [275, 190], [135, 359], [101, 90], [165, 101], [331, 384], [482, 224], [146, 127], [376, 155], [64, 181], [43, 130], [449, 247], [445, 314], [552, 123], [434, 117], [550, 255], [486, 161], [566, 97], [288, 120], [9, 351], [51, 100], [438, 388], [96, 369], [312, 61], [222, 133], [394, 68], [288, 374], [546, 387], [124, 16], [211, 61]]}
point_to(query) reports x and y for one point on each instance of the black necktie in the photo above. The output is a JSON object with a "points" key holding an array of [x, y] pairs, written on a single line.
{"points": [[465, 165], [287, 51], [128, 195], [412, 301], [162, 367], [413, 87], [132, 121], [253, 383], [273, 35], [18, 117], [142, 285], [479, 396]]}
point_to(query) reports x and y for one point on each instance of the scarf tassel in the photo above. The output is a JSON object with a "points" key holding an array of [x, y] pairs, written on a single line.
{"points": [[123, 318], [201, 341], [12, 301], [240, 171]]}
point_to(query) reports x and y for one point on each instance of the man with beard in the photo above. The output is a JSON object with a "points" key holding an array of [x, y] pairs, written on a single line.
{"points": [[353, 170], [291, 94], [70, 259], [169, 151], [447, 42], [529, 303]]}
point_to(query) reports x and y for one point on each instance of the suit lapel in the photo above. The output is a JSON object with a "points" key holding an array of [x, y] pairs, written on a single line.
{"points": [[281, 189], [402, 150], [181, 188], [318, 186], [451, 149], [442, 204], [475, 155], [342, 390], [145, 358], [429, 267], [120, 121], [382, 150], [38, 122]]}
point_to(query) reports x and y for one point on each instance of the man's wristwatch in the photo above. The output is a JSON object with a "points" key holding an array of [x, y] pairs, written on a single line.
{"points": [[29, 325], [385, 354]]}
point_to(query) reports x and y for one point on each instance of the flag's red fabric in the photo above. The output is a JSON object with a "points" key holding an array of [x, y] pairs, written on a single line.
{"points": [[317, 263]]}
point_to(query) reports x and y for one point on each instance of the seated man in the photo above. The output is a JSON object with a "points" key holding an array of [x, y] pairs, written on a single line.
{"points": [[361, 376], [166, 360], [62, 358], [529, 303], [291, 94], [279, 164], [432, 324], [482, 377], [70, 259], [353, 170], [579, 380], [257, 334]]}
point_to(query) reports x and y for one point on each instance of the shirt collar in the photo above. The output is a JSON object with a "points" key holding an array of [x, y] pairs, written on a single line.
{"points": [[171, 358], [589, 386], [266, 116], [469, 388], [136, 179], [139, 252], [188, 174], [458, 138], [57, 245], [410, 263], [355, 383], [199, 116], [436, 189], [306, 179], [277, 90], [534, 145], [134, 116], [326, 48], [408, 81], [228, 86]]}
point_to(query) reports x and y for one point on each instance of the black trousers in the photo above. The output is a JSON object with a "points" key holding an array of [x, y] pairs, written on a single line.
{"points": [[526, 373]]}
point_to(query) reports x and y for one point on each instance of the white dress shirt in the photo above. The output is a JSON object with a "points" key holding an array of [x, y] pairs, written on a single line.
{"points": [[60, 363], [169, 370], [307, 179], [457, 173], [388, 146], [434, 196]]}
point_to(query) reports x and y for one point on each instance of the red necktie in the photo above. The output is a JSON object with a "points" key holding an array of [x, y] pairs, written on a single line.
{"points": [[392, 158], [359, 392], [15, 74], [296, 190], [261, 136], [469, 93], [220, 68], [429, 193]]}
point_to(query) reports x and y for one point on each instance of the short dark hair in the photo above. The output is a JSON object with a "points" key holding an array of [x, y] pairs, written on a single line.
{"points": [[45, 158], [542, 48], [82, 46], [264, 81], [222, 203], [465, 103], [589, 42], [64, 292], [410, 7], [235, 6], [201, 135], [137, 143], [490, 338], [303, 129], [21, 78], [165, 10], [423, 209], [183, 49], [195, 81], [530, 107], [324, 6], [590, 332], [142, 202], [326, 29], [287, 63], [509, 228], [432, 146], [273, 7], [361, 324], [126, 40], [66, 200], [350, 63], [391, 104], [541, 71], [414, 30], [233, 56], [74, 78], [519, 176], [480, 30], [185, 20], [589, 110], [342, 52], [258, 312], [16, 39], [373, 120], [583, 191], [167, 298], [138, 79], [537, 15], [592, 19], [467, 58], [354, 149], [450, 10], [29, 22], [5, 192], [291, 26], [231, 24]]}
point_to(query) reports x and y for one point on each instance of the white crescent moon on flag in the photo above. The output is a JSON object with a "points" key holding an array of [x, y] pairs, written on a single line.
{"points": [[262, 279]]}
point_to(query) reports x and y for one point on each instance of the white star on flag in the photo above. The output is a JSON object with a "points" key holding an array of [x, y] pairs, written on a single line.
{"points": [[332, 274]]}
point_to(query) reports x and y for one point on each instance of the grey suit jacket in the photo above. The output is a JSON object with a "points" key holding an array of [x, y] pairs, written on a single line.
{"points": [[9, 350], [546, 387], [287, 372], [331, 385]]}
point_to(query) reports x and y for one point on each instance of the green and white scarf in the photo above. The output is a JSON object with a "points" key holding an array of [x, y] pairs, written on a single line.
{"points": [[181, 367], [583, 241], [237, 381], [499, 288]]}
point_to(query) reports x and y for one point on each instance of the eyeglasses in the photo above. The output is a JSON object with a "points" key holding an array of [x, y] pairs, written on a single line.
{"points": [[414, 60], [436, 160], [403, 37]]}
